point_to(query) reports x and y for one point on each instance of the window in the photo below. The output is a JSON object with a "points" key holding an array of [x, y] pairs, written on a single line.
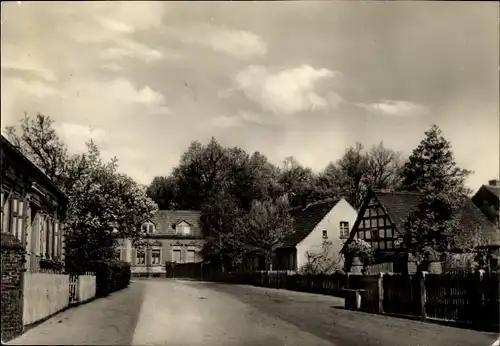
{"points": [[147, 228], [183, 228], [373, 223], [381, 245], [368, 235], [381, 233], [155, 256], [190, 256], [325, 234], [344, 229], [388, 233], [141, 256], [176, 255]]}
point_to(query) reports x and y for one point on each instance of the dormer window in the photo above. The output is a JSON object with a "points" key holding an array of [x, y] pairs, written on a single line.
{"points": [[183, 228], [325, 234], [148, 228]]}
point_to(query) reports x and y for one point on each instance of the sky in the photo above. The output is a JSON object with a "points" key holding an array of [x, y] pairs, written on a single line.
{"points": [[305, 79]]}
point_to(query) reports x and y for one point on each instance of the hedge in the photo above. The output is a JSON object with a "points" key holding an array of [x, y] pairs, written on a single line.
{"points": [[111, 275]]}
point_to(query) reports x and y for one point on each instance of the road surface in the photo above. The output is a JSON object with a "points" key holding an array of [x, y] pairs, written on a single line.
{"points": [[190, 313]]}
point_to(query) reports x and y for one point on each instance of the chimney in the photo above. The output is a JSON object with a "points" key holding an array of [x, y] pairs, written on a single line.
{"points": [[494, 183]]}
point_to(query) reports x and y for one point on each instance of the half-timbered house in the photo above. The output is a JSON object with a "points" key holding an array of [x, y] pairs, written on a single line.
{"points": [[381, 223], [32, 207]]}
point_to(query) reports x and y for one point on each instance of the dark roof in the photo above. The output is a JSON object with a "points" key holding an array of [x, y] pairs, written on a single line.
{"points": [[495, 191], [164, 220], [305, 219], [399, 205], [7, 145]]}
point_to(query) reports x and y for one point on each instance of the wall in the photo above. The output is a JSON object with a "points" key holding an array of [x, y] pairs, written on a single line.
{"points": [[342, 211], [44, 295], [12, 287], [86, 287]]}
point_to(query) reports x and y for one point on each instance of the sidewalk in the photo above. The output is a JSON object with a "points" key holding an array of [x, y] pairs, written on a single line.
{"points": [[108, 321]]}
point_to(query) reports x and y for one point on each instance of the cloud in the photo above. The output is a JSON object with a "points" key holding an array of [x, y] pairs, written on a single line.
{"points": [[14, 58], [395, 108], [239, 44], [126, 48], [287, 91], [32, 88], [76, 135]]}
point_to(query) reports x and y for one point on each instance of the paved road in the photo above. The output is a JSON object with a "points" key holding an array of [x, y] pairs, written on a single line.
{"points": [[190, 313]]}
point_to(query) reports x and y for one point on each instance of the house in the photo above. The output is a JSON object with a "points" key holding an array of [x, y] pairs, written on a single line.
{"points": [[170, 236], [487, 198], [32, 208], [381, 223], [327, 220]]}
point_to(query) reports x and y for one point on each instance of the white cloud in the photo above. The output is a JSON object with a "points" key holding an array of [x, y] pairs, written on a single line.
{"points": [[116, 26], [239, 44], [15, 58], [126, 48], [395, 108], [76, 135], [32, 88], [287, 91]]}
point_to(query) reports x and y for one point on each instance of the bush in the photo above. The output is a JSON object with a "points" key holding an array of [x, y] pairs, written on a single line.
{"points": [[111, 275]]}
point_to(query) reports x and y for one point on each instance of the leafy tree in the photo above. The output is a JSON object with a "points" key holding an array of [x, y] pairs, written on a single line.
{"points": [[383, 168], [432, 170], [264, 229], [100, 199], [164, 191], [297, 182], [354, 165]]}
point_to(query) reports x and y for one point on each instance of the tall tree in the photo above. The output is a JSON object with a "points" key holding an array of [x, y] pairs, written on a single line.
{"points": [[265, 228], [354, 167], [432, 170], [383, 168], [100, 199], [164, 191], [297, 182]]}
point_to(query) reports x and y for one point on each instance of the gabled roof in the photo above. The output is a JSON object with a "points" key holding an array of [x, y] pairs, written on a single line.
{"points": [[306, 219], [166, 219], [495, 191], [398, 205]]}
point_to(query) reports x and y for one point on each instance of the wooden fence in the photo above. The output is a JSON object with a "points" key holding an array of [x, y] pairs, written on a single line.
{"points": [[45, 293], [460, 296]]}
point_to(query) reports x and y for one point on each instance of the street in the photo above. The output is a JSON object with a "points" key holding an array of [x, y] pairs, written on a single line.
{"points": [[190, 313]]}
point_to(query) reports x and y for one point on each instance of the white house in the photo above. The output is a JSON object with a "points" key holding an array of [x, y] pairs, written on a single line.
{"points": [[325, 221]]}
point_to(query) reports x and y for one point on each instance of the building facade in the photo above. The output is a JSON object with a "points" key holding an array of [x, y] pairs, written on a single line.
{"points": [[381, 223], [324, 222], [487, 199], [32, 208], [171, 236]]}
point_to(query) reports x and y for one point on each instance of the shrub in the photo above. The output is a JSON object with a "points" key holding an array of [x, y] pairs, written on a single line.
{"points": [[111, 275]]}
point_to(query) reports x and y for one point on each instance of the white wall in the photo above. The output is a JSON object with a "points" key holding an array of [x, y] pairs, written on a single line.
{"points": [[342, 211]]}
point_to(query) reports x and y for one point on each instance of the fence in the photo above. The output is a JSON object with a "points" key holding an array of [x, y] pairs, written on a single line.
{"points": [[460, 296], [45, 293], [82, 288]]}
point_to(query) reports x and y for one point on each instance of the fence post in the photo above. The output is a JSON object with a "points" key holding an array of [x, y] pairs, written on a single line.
{"points": [[479, 299], [423, 312], [381, 292]]}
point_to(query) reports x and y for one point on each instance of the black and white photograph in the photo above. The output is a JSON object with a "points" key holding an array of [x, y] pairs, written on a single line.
{"points": [[250, 173]]}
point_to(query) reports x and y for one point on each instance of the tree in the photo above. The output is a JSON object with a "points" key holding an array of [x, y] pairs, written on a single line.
{"points": [[321, 262], [354, 167], [432, 171], [383, 168], [164, 191], [297, 182], [221, 219], [100, 199], [264, 229]]}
